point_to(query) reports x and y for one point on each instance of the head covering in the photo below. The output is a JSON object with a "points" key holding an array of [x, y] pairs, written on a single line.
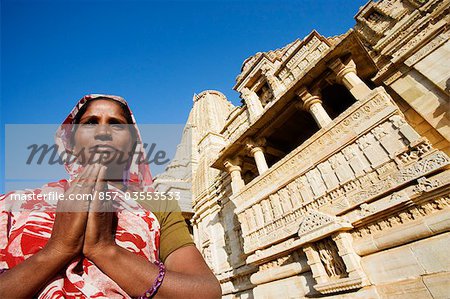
{"points": [[137, 176]]}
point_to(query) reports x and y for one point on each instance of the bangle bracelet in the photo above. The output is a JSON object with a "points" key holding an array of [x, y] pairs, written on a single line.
{"points": [[158, 281], [2, 270]]}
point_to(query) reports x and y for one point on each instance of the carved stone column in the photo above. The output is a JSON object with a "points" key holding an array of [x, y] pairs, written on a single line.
{"points": [[317, 269], [255, 148], [343, 242], [275, 84], [313, 104], [254, 105], [234, 169], [346, 75]]}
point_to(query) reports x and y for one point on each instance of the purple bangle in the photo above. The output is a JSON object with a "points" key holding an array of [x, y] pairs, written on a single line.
{"points": [[2, 270], [158, 281]]}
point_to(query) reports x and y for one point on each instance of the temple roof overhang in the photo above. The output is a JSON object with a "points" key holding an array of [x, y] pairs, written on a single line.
{"points": [[346, 45]]}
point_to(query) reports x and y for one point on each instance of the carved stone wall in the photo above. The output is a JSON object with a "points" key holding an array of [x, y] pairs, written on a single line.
{"points": [[361, 209]]}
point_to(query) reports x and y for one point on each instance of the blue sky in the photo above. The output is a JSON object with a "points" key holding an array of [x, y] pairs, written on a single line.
{"points": [[156, 54]]}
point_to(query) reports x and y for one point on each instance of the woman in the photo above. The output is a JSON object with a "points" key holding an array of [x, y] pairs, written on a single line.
{"points": [[99, 248]]}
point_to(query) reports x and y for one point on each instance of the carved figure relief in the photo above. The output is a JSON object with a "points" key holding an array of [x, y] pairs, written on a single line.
{"points": [[329, 256]]}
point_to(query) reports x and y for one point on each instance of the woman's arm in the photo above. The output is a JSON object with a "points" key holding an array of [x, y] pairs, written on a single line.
{"points": [[187, 276], [28, 277], [65, 243]]}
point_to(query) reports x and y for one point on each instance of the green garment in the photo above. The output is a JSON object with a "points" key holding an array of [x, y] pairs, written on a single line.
{"points": [[174, 230]]}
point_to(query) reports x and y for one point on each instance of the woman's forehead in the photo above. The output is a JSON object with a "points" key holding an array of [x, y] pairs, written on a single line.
{"points": [[105, 107]]}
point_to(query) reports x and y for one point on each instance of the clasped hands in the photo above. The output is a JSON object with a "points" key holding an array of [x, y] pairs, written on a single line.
{"points": [[84, 227]]}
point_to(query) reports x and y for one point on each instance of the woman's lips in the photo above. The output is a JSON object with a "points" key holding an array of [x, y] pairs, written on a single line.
{"points": [[103, 148]]}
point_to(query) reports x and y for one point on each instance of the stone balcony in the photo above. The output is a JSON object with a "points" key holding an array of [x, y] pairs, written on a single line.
{"points": [[363, 154]]}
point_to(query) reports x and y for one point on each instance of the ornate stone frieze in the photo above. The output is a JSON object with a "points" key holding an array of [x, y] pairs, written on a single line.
{"points": [[317, 225], [344, 284], [428, 48], [239, 124], [406, 216], [425, 166], [398, 34], [425, 184], [364, 189], [422, 35]]}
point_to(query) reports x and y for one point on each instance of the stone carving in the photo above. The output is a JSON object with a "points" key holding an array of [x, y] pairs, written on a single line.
{"points": [[313, 221], [276, 205], [356, 159], [285, 198], [333, 263], [249, 62], [267, 211], [425, 185], [391, 8], [378, 22], [290, 258], [316, 182], [406, 216], [435, 43], [328, 174], [267, 95], [422, 167]]}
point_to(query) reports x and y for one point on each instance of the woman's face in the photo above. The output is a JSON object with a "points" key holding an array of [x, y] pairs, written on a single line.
{"points": [[103, 132]]}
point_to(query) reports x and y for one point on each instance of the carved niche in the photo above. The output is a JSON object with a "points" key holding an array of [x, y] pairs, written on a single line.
{"points": [[328, 247]]}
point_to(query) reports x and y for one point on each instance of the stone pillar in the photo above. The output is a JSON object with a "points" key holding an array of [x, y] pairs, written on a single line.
{"points": [[317, 269], [343, 242], [255, 148], [313, 104], [346, 75], [233, 168], [253, 103], [219, 256], [274, 84]]}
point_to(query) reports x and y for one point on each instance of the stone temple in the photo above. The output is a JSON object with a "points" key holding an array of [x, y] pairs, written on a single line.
{"points": [[332, 179]]}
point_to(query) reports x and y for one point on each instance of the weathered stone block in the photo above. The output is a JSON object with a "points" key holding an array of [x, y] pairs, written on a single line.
{"points": [[438, 285], [406, 289], [391, 265], [432, 254], [293, 287]]}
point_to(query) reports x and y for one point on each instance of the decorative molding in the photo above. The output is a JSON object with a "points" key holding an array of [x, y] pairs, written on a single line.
{"points": [[344, 284], [413, 213], [428, 48], [316, 225]]}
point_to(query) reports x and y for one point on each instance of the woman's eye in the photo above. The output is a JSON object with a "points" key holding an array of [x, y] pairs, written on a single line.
{"points": [[89, 123], [117, 125]]}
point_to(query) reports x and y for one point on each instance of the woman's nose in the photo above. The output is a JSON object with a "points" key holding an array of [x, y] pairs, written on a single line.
{"points": [[103, 132]]}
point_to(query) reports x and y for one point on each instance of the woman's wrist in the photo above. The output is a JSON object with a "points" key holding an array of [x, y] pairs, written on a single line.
{"points": [[102, 253], [52, 253]]}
